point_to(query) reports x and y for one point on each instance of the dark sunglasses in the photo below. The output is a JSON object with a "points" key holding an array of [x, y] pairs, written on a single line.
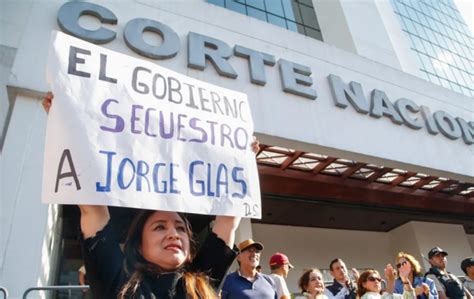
{"points": [[373, 278], [400, 264], [252, 249]]}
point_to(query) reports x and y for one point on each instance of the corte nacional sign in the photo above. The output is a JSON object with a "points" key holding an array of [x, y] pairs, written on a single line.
{"points": [[296, 78]]}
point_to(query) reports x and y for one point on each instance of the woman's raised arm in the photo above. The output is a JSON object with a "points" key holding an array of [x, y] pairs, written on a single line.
{"points": [[225, 226], [93, 218]]}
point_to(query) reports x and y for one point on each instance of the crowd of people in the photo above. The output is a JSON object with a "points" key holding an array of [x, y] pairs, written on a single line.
{"points": [[160, 260], [405, 281]]}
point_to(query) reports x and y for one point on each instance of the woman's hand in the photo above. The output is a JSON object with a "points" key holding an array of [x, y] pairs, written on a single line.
{"points": [[225, 227], [255, 145], [404, 271], [422, 289], [390, 276], [389, 273], [48, 101], [93, 219], [355, 274]]}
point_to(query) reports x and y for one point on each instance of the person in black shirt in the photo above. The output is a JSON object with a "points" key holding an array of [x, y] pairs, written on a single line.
{"points": [[158, 259]]}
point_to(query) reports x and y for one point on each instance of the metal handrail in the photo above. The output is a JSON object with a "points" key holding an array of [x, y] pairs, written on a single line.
{"points": [[5, 292], [54, 288]]}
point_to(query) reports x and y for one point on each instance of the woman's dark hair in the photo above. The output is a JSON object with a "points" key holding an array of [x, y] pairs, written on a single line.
{"points": [[197, 284], [363, 278], [304, 279]]}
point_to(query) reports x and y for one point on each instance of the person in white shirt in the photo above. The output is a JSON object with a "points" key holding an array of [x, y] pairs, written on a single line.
{"points": [[280, 266], [369, 284], [311, 284]]}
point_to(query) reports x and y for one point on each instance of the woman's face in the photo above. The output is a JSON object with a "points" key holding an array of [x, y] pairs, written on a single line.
{"points": [[402, 261], [373, 283], [315, 283], [165, 241]]}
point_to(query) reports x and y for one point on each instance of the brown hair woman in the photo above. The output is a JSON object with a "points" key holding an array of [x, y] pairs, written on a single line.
{"points": [[369, 284], [311, 284]]}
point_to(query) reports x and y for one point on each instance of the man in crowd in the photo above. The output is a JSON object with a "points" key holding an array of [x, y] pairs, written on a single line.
{"points": [[467, 266], [448, 285], [247, 283], [280, 266], [343, 287]]}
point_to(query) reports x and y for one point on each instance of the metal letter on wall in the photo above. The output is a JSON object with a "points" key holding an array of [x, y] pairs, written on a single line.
{"points": [[343, 95], [381, 105], [68, 21], [403, 106], [133, 35], [467, 129], [447, 125], [296, 79], [201, 47], [429, 121], [257, 62]]}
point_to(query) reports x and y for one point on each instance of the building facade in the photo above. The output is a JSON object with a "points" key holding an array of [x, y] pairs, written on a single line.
{"points": [[441, 41], [362, 155]]}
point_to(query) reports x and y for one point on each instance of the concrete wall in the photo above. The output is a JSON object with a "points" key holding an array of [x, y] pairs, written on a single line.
{"points": [[29, 238], [470, 239], [333, 24], [368, 32]]}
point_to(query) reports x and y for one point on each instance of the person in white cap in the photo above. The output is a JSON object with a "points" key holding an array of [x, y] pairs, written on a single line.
{"points": [[247, 282], [280, 267]]}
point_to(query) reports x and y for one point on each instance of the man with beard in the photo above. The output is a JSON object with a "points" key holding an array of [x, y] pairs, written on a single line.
{"points": [[447, 284], [247, 283]]}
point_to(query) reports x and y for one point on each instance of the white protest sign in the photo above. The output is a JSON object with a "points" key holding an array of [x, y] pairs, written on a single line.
{"points": [[127, 132]]}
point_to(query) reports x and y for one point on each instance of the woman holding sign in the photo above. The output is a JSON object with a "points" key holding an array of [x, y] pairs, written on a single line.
{"points": [[159, 258]]}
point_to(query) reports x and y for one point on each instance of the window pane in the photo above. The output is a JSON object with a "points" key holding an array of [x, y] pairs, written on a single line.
{"points": [[434, 79], [306, 2], [235, 6], [449, 74], [301, 29], [309, 17], [456, 87], [418, 44], [314, 33], [427, 63], [425, 74], [291, 26], [431, 36], [288, 8], [410, 27], [256, 13], [276, 20], [256, 3], [421, 31], [296, 11], [217, 2], [293, 15], [274, 7], [444, 83]]}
